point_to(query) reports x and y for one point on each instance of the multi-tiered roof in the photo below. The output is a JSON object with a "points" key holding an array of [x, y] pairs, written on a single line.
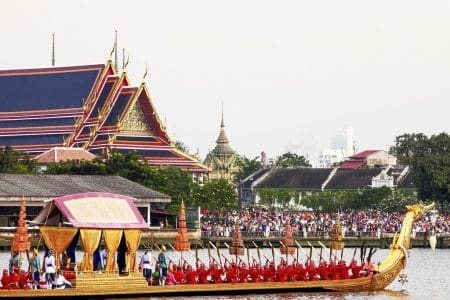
{"points": [[182, 242], [89, 106]]}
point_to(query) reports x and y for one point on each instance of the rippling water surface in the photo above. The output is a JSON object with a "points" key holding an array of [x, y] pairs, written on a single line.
{"points": [[428, 275]]}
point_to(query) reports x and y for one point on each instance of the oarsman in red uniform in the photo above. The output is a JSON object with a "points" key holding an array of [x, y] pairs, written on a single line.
{"points": [[191, 275], [368, 268], [324, 270], [291, 272], [244, 273], [312, 270], [281, 271], [356, 269], [334, 270], [6, 279], [217, 274], [343, 270], [256, 273], [301, 273], [185, 266], [179, 275], [14, 279], [232, 275], [202, 274]]}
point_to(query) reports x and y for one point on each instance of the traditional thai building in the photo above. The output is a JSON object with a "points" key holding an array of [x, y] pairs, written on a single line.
{"points": [[222, 160], [92, 107]]}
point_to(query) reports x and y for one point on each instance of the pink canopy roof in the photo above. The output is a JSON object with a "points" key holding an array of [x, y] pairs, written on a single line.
{"points": [[92, 210]]}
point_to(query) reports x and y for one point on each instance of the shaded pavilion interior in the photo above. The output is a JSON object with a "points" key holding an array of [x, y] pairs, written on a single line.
{"points": [[88, 219]]}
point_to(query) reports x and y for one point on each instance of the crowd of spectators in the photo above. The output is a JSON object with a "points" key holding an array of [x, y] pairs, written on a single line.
{"points": [[266, 223]]}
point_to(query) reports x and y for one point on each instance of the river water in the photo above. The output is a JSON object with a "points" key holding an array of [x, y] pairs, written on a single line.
{"points": [[428, 276]]}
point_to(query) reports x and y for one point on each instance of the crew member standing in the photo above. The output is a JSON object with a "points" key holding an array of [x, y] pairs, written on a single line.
{"points": [[162, 261], [146, 260], [50, 269], [34, 267]]}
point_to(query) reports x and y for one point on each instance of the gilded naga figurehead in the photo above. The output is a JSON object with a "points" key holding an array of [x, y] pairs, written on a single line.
{"points": [[419, 209]]}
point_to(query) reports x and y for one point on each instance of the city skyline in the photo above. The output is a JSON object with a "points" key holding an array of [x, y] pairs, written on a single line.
{"points": [[294, 73]]}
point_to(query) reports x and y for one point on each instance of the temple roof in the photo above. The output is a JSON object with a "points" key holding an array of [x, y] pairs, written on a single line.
{"points": [[46, 88], [85, 106]]}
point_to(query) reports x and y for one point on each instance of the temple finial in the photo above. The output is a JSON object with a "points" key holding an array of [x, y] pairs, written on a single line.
{"points": [[123, 58], [222, 123], [145, 74], [125, 61], [116, 66], [53, 49]]}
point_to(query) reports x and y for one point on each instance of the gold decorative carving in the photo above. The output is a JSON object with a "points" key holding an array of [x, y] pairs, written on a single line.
{"points": [[136, 120]]}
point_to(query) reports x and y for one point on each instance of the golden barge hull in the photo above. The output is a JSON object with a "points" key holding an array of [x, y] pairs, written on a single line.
{"points": [[364, 284], [387, 272]]}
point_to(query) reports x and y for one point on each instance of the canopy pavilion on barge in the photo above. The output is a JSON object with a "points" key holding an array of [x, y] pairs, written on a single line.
{"points": [[90, 218]]}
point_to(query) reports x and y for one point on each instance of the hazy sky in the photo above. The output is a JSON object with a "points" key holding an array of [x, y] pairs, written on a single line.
{"points": [[288, 72]]}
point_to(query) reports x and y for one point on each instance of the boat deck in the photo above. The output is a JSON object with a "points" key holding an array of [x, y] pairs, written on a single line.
{"points": [[191, 289]]}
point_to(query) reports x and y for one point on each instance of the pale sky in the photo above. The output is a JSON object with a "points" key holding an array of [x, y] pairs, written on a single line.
{"points": [[288, 72]]}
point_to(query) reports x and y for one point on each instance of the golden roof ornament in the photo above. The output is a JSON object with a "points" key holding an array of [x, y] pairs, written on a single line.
{"points": [[20, 242], [336, 235], [182, 242], [288, 241], [237, 243]]}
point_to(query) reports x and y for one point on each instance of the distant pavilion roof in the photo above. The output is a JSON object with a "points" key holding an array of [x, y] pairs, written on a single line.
{"points": [[295, 178], [355, 179], [58, 154], [43, 187]]}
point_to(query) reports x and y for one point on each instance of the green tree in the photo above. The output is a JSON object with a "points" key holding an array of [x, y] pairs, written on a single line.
{"points": [[278, 197], [292, 160], [16, 162], [430, 161], [70, 167], [246, 167], [216, 195]]}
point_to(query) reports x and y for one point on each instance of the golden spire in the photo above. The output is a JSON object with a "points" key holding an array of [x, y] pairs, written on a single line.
{"points": [[237, 243], [20, 242], [336, 235], [53, 49], [182, 243], [116, 66], [288, 241]]}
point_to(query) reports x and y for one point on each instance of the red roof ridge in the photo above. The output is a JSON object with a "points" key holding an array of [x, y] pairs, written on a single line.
{"points": [[50, 69]]}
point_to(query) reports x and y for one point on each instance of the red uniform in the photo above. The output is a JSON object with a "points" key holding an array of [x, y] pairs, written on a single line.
{"points": [[6, 279], [343, 270], [356, 269]]}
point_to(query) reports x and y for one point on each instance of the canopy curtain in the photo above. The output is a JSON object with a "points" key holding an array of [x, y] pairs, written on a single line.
{"points": [[112, 240], [133, 239], [90, 239], [58, 239]]}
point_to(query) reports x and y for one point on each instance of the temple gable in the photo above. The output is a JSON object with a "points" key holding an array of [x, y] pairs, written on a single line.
{"points": [[136, 122]]}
